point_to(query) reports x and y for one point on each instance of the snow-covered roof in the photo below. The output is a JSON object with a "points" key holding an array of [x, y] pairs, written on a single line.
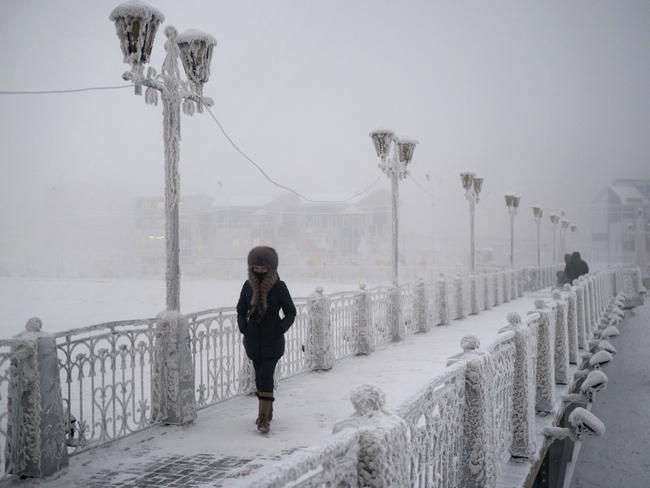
{"points": [[627, 193], [137, 8], [195, 35]]}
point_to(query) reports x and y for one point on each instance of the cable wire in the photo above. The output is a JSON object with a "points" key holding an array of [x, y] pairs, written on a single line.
{"points": [[223, 131], [279, 185], [69, 90], [420, 186]]}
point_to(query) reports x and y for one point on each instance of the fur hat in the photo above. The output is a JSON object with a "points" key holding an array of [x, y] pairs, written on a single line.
{"points": [[263, 256]]}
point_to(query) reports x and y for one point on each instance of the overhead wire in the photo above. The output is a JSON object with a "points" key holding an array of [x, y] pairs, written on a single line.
{"points": [[65, 90], [365, 190], [280, 185], [420, 186]]}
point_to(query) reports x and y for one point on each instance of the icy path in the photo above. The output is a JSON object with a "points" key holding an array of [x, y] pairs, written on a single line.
{"points": [[223, 446], [621, 457]]}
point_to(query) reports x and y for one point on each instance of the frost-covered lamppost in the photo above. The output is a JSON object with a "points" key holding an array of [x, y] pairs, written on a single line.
{"points": [[512, 203], [433, 223], [563, 232], [538, 213], [395, 155], [136, 24], [573, 228], [472, 185], [555, 219]]}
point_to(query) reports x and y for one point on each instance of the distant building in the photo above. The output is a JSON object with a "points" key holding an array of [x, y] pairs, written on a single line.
{"points": [[612, 211], [212, 236]]}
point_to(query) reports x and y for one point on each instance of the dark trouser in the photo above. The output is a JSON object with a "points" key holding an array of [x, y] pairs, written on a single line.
{"points": [[264, 370]]}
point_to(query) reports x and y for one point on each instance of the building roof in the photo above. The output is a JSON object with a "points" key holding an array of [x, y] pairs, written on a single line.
{"points": [[628, 193]]}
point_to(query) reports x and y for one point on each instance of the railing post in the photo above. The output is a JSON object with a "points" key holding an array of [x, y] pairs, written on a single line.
{"points": [[172, 383], [507, 286], [320, 337], [486, 292], [364, 341], [473, 284], [396, 324], [384, 440], [514, 288], [479, 460], [523, 407], [561, 340], [443, 301], [458, 289], [497, 289], [35, 443], [592, 304], [420, 307], [572, 323], [580, 314], [545, 371]]}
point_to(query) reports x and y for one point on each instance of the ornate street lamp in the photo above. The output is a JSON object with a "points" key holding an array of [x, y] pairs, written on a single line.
{"points": [[136, 24], [433, 224], [512, 202], [394, 157], [563, 232], [472, 185], [555, 219], [538, 213]]}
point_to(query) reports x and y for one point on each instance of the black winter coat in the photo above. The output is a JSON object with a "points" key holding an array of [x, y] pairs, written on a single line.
{"points": [[575, 269], [265, 340]]}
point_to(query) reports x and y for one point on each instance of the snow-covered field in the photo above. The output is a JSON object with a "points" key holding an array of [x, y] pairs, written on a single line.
{"points": [[68, 303]]}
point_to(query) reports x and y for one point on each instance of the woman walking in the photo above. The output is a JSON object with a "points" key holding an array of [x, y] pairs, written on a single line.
{"points": [[258, 317]]}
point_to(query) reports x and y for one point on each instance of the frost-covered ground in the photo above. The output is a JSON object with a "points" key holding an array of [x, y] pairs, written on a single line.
{"points": [[306, 409], [68, 303]]}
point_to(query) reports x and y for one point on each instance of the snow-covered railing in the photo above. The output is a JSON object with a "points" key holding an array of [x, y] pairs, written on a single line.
{"points": [[435, 419], [106, 374], [476, 416], [341, 315], [118, 378]]}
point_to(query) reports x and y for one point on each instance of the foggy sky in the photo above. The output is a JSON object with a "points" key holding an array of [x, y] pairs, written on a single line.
{"points": [[546, 99]]}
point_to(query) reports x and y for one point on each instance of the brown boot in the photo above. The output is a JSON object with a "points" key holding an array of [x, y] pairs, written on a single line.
{"points": [[265, 411], [257, 420]]}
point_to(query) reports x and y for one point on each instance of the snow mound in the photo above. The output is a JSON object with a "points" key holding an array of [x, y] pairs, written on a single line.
{"points": [[585, 423], [596, 381], [606, 346], [600, 359]]}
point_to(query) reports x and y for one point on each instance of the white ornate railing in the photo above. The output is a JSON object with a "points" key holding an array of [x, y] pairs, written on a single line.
{"points": [[435, 419], [341, 316], [476, 415], [107, 371]]}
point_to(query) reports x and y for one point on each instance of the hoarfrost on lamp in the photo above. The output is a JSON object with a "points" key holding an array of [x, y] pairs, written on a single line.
{"points": [[196, 54], [467, 180], [382, 139], [136, 24], [478, 186], [405, 149]]}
